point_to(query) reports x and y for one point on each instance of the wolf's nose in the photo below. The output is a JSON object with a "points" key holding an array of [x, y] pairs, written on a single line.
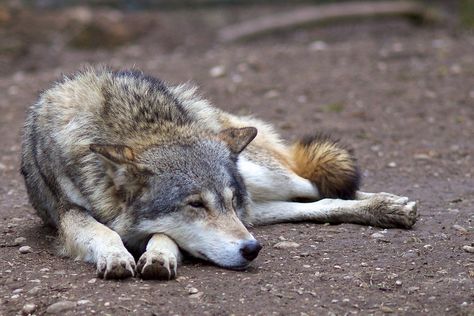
{"points": [[250, 249]]}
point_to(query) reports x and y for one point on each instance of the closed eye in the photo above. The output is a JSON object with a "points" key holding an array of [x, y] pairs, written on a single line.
{"points": [[196, 204]]}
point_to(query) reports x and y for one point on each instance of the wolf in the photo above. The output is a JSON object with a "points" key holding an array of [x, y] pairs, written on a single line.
{"points": [[126, 167]]}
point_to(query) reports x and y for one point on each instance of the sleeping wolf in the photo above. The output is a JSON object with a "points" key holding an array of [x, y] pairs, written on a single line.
{"points": [[122, 164]]}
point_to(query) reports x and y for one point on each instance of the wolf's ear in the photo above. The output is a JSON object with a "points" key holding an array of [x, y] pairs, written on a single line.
{"points": [[238, 138], [118, 154]]}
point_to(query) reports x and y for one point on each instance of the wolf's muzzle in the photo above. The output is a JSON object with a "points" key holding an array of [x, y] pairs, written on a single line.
{"points": [[250, 249]]}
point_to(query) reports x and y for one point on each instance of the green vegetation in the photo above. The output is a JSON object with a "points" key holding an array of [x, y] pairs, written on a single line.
{"points": [[467, 13]]}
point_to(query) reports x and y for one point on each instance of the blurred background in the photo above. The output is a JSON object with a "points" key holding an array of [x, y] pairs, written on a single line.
{"points": [[38, 34]]}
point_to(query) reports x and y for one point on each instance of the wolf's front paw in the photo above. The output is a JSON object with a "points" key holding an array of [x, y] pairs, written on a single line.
{"points": [[392, 211], [116, 265], [160, 265]]}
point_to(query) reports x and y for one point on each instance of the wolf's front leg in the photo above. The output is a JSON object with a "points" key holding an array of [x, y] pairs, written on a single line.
{"points": [[86, 239], [160, 260]]}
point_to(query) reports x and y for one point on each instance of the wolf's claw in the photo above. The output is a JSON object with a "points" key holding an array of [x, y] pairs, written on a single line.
{"points": [[160, 265], [116, 265], [390, 210]]}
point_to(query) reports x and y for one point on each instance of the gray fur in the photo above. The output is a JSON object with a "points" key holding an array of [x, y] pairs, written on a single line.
{"points": [[176, 156]]}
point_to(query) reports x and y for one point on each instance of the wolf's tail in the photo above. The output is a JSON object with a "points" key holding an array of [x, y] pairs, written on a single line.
{"points": [[329, 165]]}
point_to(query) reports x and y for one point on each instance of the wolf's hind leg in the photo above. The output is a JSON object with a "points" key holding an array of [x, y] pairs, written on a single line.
{"points": [[86, 239], [377, 210], [160, 260], [366, 195]]}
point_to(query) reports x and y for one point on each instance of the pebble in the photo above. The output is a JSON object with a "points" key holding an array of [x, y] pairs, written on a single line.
{"points": [[413, 289], [386, 309], [318, 46], [83, 302], [271, 94], [193, 290], [19, 241], [468, 248], [377, 235], [398, 282], [459, 228], [197, 295], [286, 245], [92, 281], [60, 307], [392, 164], [25, 249], [28, 309], [34, 290], [217, 71], [428, 247]]}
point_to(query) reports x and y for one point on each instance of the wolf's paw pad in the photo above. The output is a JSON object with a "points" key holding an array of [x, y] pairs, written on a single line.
{"points": [[116, 265], [393, 211], [157, 265]]}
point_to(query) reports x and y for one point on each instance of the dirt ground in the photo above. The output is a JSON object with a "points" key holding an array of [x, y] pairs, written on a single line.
{"points": [[401, 95]]}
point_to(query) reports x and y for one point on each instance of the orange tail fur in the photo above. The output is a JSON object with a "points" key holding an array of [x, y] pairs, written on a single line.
{"points": [[326, 163]]}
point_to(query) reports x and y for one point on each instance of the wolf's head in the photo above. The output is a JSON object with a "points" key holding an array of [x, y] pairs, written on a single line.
{"points": [[189, 190]]}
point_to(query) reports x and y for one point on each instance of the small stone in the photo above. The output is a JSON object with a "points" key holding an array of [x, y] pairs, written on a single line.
{"points": [[44, 270], [34, 290], [364, 264], [193, 290], [106, 304], [28, 309], [412, 289], [459, 228], [19, 241], [468, 248], [25, 249], [318, 46], [456, 69], [428, 247], [421, 157], [398, 282], [337, 267], [377, 235], [17, 291], [217, 71], [271, 94], [197, 295], [286, 245], [392, 164], [60, 307], [92, 281], [181, 279], [83, 302], [386, 309]]}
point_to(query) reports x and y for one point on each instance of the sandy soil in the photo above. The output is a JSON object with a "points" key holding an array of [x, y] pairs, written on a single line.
{"points": [[402, 96]]}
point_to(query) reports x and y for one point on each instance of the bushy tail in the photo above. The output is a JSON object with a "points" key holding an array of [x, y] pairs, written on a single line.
{"points": [[326, 163]]}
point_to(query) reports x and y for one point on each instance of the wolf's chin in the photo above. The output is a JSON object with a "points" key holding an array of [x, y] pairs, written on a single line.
{"points": [[225, 266]]}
